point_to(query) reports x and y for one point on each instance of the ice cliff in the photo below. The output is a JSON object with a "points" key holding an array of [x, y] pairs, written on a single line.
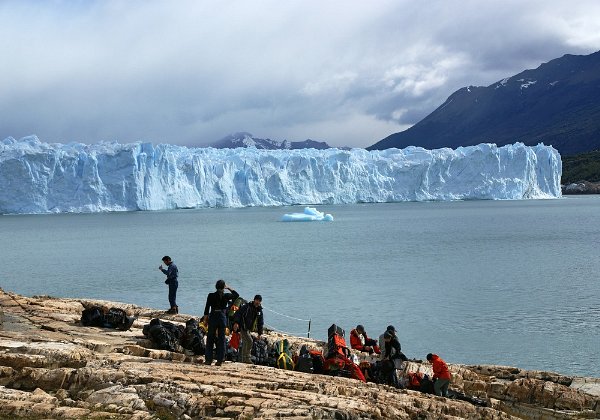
{"points": [[37, 177]]}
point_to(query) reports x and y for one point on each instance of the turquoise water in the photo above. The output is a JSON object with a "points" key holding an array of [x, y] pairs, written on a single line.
{"points": [[504, 282]]}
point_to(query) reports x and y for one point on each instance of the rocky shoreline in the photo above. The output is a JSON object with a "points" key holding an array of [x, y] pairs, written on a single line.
{"points": [[581, 187], [52, 367]]}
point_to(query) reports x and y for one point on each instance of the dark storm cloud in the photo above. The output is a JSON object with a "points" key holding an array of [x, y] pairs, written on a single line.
{"points": [[191, 72]]}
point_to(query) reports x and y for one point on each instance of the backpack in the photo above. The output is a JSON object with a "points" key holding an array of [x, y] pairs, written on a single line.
{"points": [[426, 385], [164, 335], [335, 329], [283, 355], [414, 380], [260, 352], [234, 307], [337, 345], [464, 397], [304, 362], [318, 361], [92, 317], [193, 338], [340, 365], [117, 318]]}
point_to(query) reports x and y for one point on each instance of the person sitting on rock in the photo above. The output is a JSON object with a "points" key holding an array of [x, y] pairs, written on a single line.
{"points": [[441, 375], [361, 342], [388, 367], [390, 347], [249, 318]]}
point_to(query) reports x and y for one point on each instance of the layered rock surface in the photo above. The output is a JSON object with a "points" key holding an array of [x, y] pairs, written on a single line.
{"points": [[52, 367]]}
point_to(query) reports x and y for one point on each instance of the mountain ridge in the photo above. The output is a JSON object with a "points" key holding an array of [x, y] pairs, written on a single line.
{"points": [[245, 139], [558, 103]]}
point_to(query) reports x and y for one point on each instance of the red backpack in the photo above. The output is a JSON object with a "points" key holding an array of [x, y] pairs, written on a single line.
{"points": [[337, 345], [414, 380]]}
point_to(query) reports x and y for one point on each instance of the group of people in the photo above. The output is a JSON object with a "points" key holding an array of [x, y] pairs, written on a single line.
{"points": [[390, 351], [249, 318]]}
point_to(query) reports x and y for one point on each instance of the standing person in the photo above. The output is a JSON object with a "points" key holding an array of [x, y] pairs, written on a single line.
{"points": [[249, 318], [215, 311], [172, 273], [441, 375]]}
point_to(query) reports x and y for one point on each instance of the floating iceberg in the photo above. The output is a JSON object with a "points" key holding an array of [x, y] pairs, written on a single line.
{"points": [[37, 177], [310, 214]]}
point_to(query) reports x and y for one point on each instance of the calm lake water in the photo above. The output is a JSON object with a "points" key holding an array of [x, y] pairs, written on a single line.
{"points": [[503, 282]]}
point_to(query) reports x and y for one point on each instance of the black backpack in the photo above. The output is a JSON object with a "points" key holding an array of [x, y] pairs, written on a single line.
{"points": [[305, 364], [260, 352], [164, 335], [193, 338], [92, 317], [305, 361], [426, 386], [117, 318]]}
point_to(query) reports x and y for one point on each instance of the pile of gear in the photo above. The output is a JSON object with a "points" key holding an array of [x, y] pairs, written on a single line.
{"points": [[336, 359], [102, 316]]}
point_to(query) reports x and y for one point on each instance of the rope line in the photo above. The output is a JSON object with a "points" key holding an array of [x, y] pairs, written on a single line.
{"points": [[287, 316], [284, 332]]}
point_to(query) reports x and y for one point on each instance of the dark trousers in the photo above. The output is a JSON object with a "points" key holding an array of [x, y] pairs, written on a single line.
{"points": [[173, 293], [216, 320]]}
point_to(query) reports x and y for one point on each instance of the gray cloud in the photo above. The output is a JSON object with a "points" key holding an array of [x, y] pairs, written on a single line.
{"points": [[191, 72]]}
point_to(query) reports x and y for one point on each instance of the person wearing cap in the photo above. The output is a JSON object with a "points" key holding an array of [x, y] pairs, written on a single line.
{"points": [[441, 375], [361, 342], [381, 340], [388, 367], [391, 348], [215, 312], [248, 319]]}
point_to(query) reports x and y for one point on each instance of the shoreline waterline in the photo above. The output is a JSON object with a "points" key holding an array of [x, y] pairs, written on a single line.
{"points": [[509, 280]]}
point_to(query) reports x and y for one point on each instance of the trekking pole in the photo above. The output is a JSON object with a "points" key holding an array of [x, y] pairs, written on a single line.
{"points": [[308, 333]]}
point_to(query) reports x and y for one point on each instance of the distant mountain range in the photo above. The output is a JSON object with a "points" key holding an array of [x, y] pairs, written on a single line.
{"points": [[558, 104], [244, 139]]}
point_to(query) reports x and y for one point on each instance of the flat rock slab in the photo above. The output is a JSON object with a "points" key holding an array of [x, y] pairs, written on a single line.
{"points": [[52, 367]]}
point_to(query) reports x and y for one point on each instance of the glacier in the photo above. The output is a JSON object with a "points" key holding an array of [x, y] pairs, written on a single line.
{"points": [[38, 177]]}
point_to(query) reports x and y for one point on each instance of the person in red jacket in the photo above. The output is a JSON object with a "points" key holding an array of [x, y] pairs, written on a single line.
{"points": [[361, 342], [441, 375]]}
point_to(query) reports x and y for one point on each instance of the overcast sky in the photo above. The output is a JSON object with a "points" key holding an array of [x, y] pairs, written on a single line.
{"points": [[191, 72]]}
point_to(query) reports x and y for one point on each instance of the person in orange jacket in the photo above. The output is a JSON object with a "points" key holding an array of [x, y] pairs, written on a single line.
{"points": [[441, 375], [361, 342]]}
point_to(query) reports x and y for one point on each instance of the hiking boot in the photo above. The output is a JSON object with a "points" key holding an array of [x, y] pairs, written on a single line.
{"points": [[219, 363], [176, 309], [208, 362]]}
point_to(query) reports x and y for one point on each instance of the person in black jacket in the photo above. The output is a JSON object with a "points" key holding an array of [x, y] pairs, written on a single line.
{"points": [[393, 350], [249, 318], [172, 273], [216, 313]]}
